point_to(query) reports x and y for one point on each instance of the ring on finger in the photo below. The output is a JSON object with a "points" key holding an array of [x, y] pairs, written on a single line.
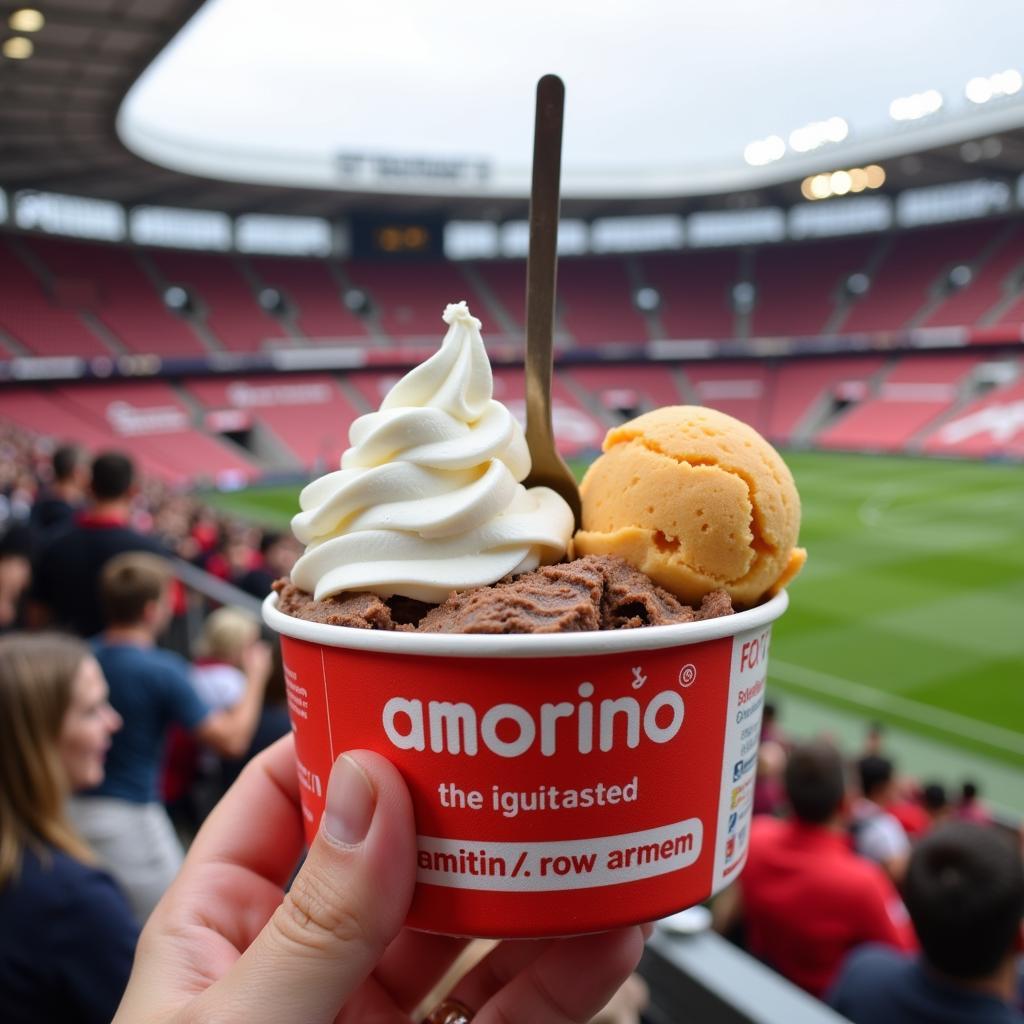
{"points": [[451, 1011]]}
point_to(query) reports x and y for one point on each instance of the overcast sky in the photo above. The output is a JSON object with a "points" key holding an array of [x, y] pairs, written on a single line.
{"points": [[650, 83]]}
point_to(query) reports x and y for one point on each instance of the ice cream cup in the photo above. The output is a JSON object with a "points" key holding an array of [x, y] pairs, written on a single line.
{"points": [[562, 783]]}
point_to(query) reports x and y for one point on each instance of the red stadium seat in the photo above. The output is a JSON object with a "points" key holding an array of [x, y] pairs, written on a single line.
{"points": [[696, 291], [119, 293], [315, 296], [915, 392], [34, 318], [229, 307]]}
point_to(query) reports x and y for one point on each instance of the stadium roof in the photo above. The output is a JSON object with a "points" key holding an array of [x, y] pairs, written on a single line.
{"points": [[58, 132]]}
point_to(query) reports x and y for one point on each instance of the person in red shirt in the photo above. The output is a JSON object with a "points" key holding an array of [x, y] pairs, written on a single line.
{"points": [[805, 897]]}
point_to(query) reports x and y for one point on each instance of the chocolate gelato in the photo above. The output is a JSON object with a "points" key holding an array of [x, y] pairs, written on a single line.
{"points": [[592, 593]]}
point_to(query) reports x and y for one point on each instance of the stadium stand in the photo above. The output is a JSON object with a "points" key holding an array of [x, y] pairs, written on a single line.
{"points": [[799, 287], [803, 387], [314, 297], [70, 297], [505, 280], [741, 389], [406, 301], [996, 279], [108, 281], [904, 283], [627, 389], [577, 429], [228, 307], [65, 297], [912, 395], [596, 303], [695, 289], [36, 320], [148, 420], [307, 413], [990, 426]]}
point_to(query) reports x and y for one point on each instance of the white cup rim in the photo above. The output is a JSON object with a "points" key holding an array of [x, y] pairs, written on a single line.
{"points": [[523, 645]]}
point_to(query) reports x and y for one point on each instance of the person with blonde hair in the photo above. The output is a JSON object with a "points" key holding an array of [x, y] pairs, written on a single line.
{"points": [[224, 658], [229, 656], [67, 935]]}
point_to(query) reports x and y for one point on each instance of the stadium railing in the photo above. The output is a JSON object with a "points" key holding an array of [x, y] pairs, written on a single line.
{"points": [[704, 978], [212, 591]]}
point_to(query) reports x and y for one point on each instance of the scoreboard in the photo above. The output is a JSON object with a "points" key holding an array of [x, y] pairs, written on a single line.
{"points": [[384, 238]]}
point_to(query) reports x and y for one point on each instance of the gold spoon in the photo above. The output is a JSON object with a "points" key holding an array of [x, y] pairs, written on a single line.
{"points": [[549, 469]]}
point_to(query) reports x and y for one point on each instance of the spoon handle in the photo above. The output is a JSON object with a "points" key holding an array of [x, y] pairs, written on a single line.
{"points": [[541, 264]]}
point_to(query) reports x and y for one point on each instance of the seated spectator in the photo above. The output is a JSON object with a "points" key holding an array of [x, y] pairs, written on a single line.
{"points": [[874, 740], [15, 574], [935, 803], [965, 894], [769, 790], [65, 585], [771, 732], [233, 556], [971, 807], [877, 834], [150, 688], [230, 658], [906, 807], [229, 655], [273, 724], [278, 553], [806, 898], [67, 935], [56, 506]]}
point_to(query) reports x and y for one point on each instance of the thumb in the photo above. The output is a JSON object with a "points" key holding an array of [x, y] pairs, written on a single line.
{"points": [[344, 907]]}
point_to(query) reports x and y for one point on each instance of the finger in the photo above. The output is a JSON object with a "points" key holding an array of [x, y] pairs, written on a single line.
{"points": [[569, 982], [498, 968], [345, 906], [227, 889], [258, 824], [414, 963], [627, 1004]]}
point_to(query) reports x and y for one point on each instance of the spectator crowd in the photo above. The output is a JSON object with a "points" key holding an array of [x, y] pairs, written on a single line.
{"points": [[893, 899]]}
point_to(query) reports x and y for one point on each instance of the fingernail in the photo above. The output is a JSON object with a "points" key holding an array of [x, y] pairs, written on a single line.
{"points": [[350, 803]]}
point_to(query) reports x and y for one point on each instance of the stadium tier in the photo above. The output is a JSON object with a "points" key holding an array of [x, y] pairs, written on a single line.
{"points": [[991, 426], [62, 297], [907, 274], [312, 294], [595, 302], [303, 418], [628, 389], [110, 284], [148, 420], [229, 309], [994, 287], [800, 287], [230, 429], [807, 391], [695, 290], [35, 321], [405, 300], [909, 397]]}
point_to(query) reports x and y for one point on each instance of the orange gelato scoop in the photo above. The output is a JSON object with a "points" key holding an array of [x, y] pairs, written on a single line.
{"points": [[697, 501]]}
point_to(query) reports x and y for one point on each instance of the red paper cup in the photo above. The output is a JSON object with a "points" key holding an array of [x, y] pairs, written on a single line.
{"points": [[562, 783]]}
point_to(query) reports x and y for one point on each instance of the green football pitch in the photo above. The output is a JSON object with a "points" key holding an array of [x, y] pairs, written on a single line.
{"points": [[910, 609]]}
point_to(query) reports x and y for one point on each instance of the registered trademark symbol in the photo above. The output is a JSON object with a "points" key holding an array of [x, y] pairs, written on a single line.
{"points": [[687, 675]]}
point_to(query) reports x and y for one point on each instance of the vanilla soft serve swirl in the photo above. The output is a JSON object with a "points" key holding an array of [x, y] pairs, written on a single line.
{"points": [[428, 498]]}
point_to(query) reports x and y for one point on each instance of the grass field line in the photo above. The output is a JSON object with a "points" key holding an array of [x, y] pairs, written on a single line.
{"points": [[890, 500], [956, 726]]}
